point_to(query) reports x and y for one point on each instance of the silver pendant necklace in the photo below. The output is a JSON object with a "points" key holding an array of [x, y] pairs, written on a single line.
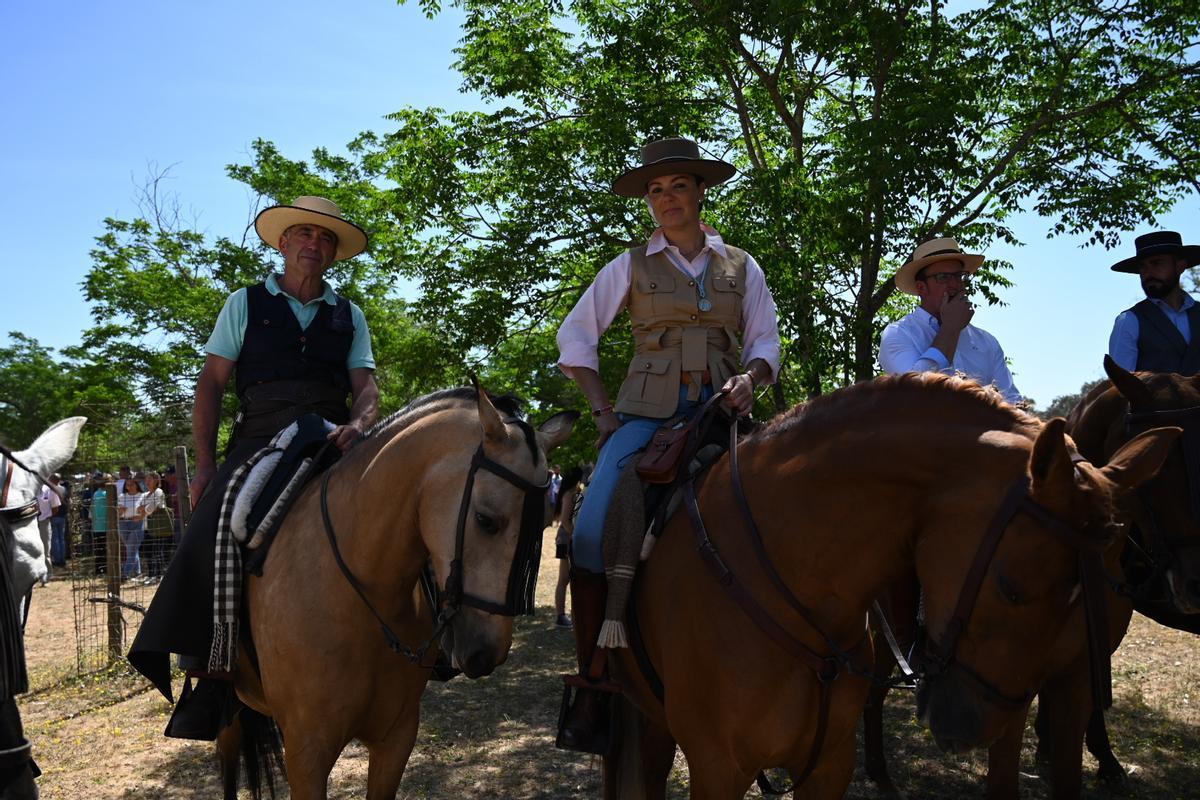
{"points": [[702, 301]]}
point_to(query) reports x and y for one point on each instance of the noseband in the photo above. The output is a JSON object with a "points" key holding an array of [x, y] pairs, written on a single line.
{"points": [[522, 574], [938, 657]]}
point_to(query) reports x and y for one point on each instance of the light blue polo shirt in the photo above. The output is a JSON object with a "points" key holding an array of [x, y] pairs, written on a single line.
{"points": [[230, 330]]}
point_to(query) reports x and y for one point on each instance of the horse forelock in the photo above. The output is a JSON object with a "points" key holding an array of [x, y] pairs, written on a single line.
{"points": [[891, 396]]}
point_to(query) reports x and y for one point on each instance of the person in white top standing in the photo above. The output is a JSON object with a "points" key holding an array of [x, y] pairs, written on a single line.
{"points": [[938, 335], [48, 501]]}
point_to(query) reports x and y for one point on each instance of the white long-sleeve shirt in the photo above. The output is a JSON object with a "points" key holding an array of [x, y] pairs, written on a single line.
{"points": [[579, 335], [907, 346]]}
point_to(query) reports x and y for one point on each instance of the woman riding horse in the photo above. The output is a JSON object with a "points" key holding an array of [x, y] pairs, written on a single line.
{"points": [[689, 296]]}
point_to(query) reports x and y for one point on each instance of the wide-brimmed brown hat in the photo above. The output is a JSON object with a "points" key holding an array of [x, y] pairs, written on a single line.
{"points": [[1153, 244], [310, 210], [930, 252], [669, 157]]}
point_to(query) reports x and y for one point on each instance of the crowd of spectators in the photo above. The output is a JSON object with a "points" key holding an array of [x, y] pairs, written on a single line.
{"points": [[148, 519]]}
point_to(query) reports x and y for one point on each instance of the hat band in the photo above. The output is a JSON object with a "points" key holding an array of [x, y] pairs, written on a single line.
{"points": [[942, 253]]}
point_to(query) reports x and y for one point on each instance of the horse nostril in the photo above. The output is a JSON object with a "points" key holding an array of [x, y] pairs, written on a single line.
{"points": [[1193, 588]]}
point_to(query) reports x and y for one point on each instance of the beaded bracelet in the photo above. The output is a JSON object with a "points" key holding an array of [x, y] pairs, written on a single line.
{"points": [[600, 412]]}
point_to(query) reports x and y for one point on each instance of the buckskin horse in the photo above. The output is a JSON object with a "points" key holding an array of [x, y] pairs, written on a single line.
{"points": [[754, 656], [448, 480], [22, 565]]}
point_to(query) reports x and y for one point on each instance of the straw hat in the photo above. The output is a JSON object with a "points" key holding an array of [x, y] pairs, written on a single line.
{"points": [[670, 157], [930, 252], [1152, 244], [308, 210]]}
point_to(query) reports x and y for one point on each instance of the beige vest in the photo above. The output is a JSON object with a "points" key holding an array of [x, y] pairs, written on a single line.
{"points": [[672, 335]]}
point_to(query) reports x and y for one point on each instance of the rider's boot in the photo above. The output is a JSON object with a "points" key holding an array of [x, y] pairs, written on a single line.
{"points": [[585, 726], [203, 711]]}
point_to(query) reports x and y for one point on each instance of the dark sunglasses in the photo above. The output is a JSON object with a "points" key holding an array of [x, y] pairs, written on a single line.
{"points": [[946, 277]]}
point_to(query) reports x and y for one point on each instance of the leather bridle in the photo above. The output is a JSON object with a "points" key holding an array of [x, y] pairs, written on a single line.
{"points": [[522, 574], [939, 656], [828, 665], [1159, 551], [18, 513]]}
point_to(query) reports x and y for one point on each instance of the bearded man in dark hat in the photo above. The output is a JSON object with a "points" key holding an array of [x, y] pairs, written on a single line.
{"points": [[295, 348], [1162, 332]]}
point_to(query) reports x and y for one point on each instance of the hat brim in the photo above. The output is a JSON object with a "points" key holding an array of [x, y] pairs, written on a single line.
{"points": [[633, 183], [1188, 252], [272, 222], [906, 276]]}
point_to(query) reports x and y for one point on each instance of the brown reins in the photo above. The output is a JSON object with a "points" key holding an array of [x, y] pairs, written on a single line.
{"points": [[942, 657], [519, 598]]}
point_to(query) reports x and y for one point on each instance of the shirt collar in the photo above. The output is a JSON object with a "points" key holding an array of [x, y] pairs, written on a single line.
{"points": [[712, 240], [928, 319], [328, 296], [1187, 303]]}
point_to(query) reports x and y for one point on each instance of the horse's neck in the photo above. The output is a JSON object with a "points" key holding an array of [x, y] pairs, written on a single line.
{"points": [[844, 514]]}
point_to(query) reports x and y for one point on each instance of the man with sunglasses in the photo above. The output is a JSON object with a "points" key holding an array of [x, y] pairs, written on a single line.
{"points": [[938, 336]]}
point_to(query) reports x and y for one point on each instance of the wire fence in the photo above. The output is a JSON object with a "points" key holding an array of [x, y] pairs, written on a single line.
{"points": [[114, 562]]}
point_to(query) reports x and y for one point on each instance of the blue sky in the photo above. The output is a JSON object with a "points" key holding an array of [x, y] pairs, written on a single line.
{"points": [[100, 94]]}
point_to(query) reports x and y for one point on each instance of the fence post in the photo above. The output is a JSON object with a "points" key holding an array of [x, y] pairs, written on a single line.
{"points": [[112, 574], [182, 479]]}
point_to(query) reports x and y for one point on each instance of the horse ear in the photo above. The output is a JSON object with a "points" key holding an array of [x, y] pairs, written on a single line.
{"points": [[555, 430], [1050, 462], [1141, 457], [1132, 389], [54, 447], [489, 418]]}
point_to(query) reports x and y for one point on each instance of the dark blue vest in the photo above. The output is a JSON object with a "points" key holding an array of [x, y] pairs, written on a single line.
{"points": [[276, 349], [1161, 347]]}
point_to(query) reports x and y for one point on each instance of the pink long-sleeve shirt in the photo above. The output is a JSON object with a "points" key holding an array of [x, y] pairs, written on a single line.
{"points": [[579, 335]]}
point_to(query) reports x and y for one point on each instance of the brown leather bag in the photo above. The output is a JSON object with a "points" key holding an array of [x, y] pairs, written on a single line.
{"points": [[659, 463], [673, 442]]}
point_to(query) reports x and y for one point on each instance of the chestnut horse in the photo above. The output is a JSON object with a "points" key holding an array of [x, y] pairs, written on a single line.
{"points": [[448, 481], [1165, 526], [849, 492]]}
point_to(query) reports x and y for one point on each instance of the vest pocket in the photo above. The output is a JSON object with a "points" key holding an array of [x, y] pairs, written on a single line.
{"points": [[649, 380]]}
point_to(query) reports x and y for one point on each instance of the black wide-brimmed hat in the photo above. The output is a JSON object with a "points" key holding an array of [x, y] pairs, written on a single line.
{"points": [[1157, 243], [670, 157]]}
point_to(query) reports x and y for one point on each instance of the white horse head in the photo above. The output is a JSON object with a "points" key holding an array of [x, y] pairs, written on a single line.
{"points": [[48, 454]]}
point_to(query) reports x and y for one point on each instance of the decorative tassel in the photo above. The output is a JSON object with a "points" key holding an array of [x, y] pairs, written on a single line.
{"points": [[612, 634]]}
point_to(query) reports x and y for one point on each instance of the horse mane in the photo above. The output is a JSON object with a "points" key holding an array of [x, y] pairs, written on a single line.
{"points": [[508, 405], [829, 410]]}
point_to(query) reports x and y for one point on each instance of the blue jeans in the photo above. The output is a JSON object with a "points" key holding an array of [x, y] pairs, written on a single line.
{"points": [[58, 541], [131, 532], [587, 541]]}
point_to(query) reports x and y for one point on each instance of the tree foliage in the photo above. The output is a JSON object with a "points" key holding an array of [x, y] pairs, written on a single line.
{"points": [[859, 130]]}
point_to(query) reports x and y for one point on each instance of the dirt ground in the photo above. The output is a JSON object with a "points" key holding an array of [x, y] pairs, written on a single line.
{"points": [[98, 735]]}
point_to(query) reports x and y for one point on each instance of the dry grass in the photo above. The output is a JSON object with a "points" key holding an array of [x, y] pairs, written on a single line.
{"points": [[99, 736]]}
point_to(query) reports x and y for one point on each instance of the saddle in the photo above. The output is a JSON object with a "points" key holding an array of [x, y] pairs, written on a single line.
{"points": [[275, 483]]}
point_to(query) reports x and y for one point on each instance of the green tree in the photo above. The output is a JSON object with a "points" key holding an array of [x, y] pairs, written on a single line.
{"points": [[1061, 406]]}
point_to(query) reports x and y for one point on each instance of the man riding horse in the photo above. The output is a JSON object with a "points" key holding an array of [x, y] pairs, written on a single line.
{"points": [[296, 347], [1162, 332]]}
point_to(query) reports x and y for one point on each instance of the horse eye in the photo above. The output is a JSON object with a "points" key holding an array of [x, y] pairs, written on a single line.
{"points": [[486, 522], [1009, 591]]}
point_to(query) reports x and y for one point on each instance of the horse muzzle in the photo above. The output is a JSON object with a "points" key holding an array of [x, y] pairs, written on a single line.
{"points": [[477, 647], [1185, 590], [954, 714]]}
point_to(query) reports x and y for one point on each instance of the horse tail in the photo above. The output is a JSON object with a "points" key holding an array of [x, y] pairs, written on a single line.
{"points": [[262, 752]]}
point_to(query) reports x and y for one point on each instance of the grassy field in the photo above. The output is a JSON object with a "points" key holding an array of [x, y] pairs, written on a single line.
{"points": [[99, 736]]}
